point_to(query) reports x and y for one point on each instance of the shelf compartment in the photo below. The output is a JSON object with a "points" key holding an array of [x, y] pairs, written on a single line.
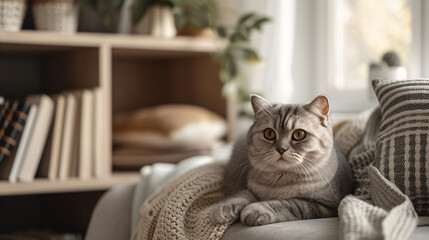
{"points": [[139, 82], [48, 72]]}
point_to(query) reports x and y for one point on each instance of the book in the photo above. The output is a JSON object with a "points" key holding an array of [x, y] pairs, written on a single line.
{"points": [[49, 165], [7, 114], [37, 137], [74, 161], [23, 143], [82, 156], [6, 129], [86, 134], [3, 109], [99, 168], [9, 142], [67, 136]]}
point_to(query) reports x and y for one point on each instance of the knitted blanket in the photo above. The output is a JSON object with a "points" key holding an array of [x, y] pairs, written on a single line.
{"points": [[180, 210], [377, 210]]}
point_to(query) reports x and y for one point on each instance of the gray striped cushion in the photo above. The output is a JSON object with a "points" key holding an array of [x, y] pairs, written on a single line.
{"points": [[402, 154]]}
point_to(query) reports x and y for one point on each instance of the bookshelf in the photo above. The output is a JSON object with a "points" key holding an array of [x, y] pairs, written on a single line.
{"points": [[131, 71]]}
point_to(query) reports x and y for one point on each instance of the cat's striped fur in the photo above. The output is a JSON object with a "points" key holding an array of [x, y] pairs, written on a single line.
{"points": [[284, 179]]}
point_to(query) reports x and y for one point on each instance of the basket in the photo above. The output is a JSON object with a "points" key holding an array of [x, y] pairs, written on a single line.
{"points": [[56, 15], [12, 13]]}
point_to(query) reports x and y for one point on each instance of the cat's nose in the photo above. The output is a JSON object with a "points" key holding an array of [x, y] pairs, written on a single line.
{"points": [[281, 150]]}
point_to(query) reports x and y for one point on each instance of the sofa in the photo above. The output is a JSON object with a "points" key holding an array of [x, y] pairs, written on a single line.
{"points": [[116, 214]]}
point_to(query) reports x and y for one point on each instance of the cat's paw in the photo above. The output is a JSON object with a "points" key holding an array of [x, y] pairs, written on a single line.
{"points": [[226, 211], [256, 214]]}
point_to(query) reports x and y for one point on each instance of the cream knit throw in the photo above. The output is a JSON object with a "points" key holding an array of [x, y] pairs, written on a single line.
{"points": [[377, 210], [180, 210]]}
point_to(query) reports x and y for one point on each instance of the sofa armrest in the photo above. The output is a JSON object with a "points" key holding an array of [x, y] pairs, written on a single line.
{"points": [[111, 218]]}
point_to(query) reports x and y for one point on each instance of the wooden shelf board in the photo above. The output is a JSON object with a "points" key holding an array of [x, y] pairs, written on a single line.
{"points": [[36, 38], [42, 186]]}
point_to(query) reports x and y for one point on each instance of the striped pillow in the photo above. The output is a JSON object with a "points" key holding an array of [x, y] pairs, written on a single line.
{"points": [[402, 151]]}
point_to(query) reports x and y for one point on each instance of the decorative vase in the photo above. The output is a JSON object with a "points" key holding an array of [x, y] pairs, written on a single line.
{"points": [[158, 22], [385, 72], [12, 13], [125, 18], [56, 15]]}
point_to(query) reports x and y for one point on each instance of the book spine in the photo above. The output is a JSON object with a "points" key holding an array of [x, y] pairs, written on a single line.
{"points": [[12, 133], [7, 115]]}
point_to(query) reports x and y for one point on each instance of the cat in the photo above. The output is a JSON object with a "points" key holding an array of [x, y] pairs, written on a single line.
{"points": [[288, 167]]}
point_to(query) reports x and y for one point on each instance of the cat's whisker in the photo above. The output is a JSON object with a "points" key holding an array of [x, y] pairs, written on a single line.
{"points": [[237, 167], [242, 171], [306, 173], [320, 173], [324, 177], [257, 170]]}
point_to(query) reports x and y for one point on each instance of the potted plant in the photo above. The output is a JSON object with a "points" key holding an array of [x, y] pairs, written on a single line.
{"points": [[238, 51], [12, 14], [195, 17], [56, 15], [390, 67]]}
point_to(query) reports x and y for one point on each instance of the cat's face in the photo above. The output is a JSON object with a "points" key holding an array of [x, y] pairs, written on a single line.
{"points": [[287, 137]]}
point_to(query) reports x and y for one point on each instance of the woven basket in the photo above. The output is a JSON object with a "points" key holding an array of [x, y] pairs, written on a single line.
{"points": [[56, 15], [12, 14]]}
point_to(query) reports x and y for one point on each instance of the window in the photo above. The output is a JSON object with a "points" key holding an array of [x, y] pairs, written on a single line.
{"points": [[354, 33]]}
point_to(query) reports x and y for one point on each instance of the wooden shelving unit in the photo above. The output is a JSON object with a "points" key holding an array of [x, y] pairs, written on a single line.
{"points": [[132, 72]]}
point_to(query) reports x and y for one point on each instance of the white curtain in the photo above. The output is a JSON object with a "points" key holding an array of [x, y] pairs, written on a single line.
{"points": [[273, 77]]}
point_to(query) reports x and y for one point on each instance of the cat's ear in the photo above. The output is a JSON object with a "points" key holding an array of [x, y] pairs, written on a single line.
{"points": [[259, 104], [320, 106]]}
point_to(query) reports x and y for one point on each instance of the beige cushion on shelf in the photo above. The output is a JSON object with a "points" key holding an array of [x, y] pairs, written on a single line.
{"points": [[174, 126]]}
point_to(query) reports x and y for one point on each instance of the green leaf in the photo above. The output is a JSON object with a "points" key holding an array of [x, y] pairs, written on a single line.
{"points": [[251, 54], [258, 23], [237, 37], [245, 17], [221, 31]]}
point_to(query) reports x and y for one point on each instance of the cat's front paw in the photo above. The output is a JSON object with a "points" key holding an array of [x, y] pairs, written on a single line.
{"points": [[226, 211], [256, 214]]}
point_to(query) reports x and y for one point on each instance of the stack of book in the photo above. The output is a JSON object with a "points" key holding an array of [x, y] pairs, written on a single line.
{"points": [[55, 137]]}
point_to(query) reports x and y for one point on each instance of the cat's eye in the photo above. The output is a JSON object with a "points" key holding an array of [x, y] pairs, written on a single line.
{"points": [[298, 135], [269, 134]]}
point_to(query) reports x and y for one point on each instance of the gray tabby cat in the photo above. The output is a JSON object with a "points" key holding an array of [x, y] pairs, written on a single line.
{"points": [[288, 167]]}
